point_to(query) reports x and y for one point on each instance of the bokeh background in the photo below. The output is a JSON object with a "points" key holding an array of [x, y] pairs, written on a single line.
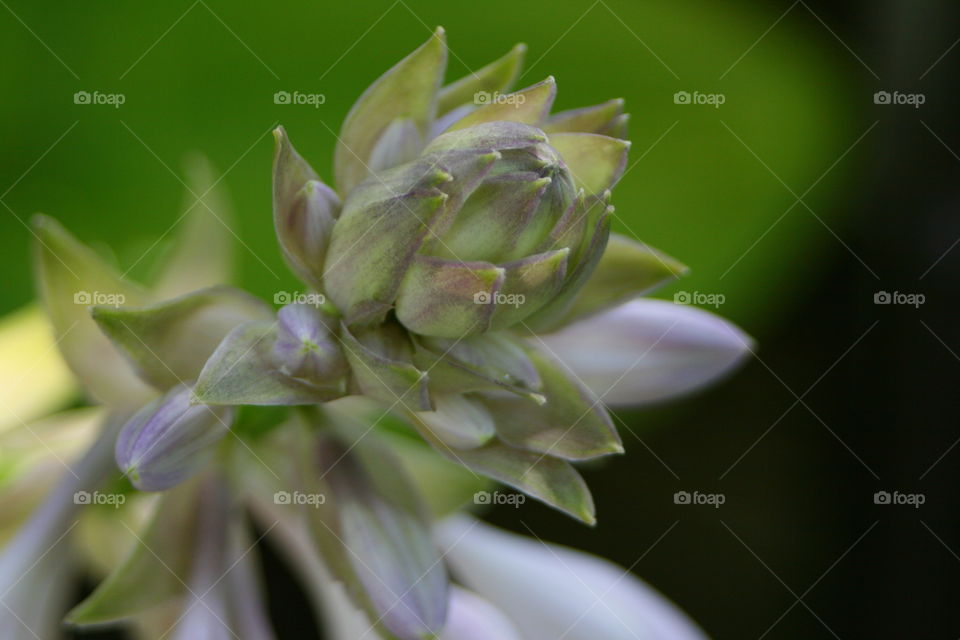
{"points": [[796, 200]]}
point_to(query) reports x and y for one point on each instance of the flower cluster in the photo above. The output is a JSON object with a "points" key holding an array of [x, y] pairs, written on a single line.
{"points": [[474, 316]]}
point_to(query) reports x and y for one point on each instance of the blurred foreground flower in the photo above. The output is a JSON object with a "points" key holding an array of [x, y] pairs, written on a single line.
{"points": [[469, 313]]}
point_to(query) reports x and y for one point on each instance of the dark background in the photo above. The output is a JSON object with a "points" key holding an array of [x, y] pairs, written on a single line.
{"points": [[846, 397]]}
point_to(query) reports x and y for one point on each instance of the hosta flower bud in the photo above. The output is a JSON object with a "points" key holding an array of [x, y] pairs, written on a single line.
{"points": [[484, 230], [169, 440], [304, 210], [305, 347]]}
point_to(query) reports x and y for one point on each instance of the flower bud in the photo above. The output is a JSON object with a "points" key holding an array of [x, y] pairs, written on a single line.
{"points": [[305, 347], [169, 440], [304, 211]]}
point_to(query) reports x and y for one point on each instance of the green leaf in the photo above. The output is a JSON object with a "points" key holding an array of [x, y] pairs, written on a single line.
{"points": [[573, 424], [156, 568], [626, 270], [203, 253], [71, 278], [497, 76], [529, 106], [169, 342], [242, 371], [408, 90], [596, 162]]}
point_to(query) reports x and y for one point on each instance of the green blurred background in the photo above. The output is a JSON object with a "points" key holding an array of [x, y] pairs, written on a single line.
{"points": [[715, 187]]}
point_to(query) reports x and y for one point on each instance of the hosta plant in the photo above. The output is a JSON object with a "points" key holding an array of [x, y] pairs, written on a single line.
{"points": [[466, 317]]}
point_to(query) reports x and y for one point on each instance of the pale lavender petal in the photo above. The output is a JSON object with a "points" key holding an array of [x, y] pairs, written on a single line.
{"points": [[470, 617], [551, 592], [648, 350]]}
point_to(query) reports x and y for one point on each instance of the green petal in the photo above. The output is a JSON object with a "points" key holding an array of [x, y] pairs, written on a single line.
{"points": [[493, 219], [383, 371], [599, 118], [459, 421], [156, 568], [242, 371], [500, 135], [572, 424], [499, 75], [549, 479], [447, 298], [529, 106], [492, 361], [203, 253], [618, 127], [376, 238], [596, 162], [408, 90], [386, 555], [71, 278], [528, 285], [169, 342], [626, 270]]}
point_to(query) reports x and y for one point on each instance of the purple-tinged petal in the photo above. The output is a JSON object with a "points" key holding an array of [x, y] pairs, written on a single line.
{"points": [[170, 439], [305, 347], [648, 350]]}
